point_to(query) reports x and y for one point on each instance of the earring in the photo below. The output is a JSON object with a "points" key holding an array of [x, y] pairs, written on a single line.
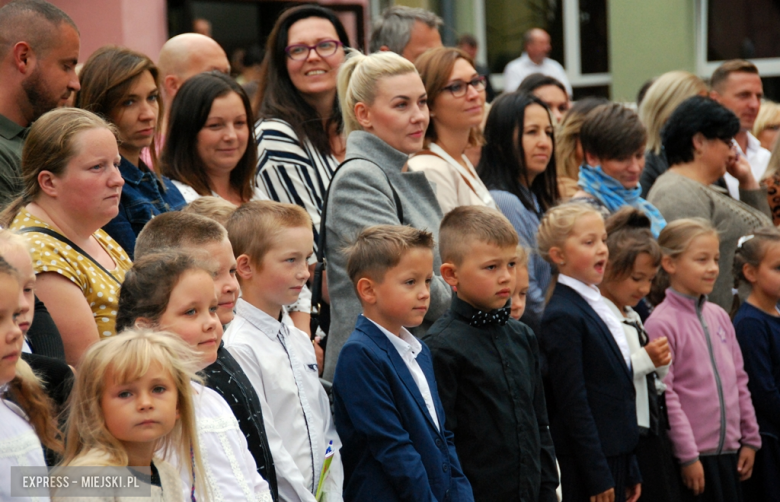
{"points": [[561, 264]]}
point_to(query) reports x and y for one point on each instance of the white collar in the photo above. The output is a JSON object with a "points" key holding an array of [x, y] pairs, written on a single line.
{"points": [[753, 144], [403, 344], [590, 292], [259, 319]]}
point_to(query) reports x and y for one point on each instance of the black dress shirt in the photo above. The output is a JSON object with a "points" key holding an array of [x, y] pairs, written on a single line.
{"points": [[490, 383], [227, 378]]}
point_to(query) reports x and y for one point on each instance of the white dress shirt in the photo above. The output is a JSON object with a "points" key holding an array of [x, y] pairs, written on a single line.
{"points": [[758, 158], [517, 69], [592, 295], [409, 348], [297, 436], [19, 446], [230, 469]]}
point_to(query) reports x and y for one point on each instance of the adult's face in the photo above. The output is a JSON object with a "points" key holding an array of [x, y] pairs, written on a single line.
{"points": [[422, 38], [223, 139], [537, 141], [741, 93], [714, 155], [464, 111], [539, 46], [555, 99], [626, 171], [53, 78], [316, 75], [136, 116]]}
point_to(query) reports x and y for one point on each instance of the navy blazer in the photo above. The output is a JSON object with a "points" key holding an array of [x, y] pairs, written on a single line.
{"points": [[591, 398], [391, 449]]}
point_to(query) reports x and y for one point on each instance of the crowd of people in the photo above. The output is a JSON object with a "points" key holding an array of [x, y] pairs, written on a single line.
{"points": [[370, 281]]}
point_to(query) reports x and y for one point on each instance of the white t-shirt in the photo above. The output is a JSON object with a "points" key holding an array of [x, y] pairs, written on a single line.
{"points": [[518, 69]]}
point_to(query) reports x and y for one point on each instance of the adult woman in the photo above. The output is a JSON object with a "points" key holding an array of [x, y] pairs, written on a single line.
{"points": [[767, 124], [661, 99], [385, 112], [698, 142], [517, 164], [568, 148], [552, 93], [299, 131], [209, 148], [122, 86], [72, 189], [771, 181], [456, 100]]}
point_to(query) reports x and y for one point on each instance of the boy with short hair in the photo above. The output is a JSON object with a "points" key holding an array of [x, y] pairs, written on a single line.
{"points": [[493, 397], [272, 243], [387, 408]]}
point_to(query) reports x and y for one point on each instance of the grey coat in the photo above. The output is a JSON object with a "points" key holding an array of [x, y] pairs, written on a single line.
{"points": [[361, 197]]}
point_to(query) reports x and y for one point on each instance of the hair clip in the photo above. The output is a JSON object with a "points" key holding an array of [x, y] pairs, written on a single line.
{"points": [[742, 240]]}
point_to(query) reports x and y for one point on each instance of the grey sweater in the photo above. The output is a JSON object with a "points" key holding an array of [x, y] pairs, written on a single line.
{"points": [[361, 197], [679, 197]]}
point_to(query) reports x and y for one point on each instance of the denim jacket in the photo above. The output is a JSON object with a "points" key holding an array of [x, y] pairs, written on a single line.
{"points": [[143, 197]]}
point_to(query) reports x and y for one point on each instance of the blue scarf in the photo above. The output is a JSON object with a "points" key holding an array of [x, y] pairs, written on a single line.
{"points": [[613, 195]]}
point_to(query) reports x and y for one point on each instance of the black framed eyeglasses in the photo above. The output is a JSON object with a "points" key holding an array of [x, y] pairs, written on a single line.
{"points": [[459, 87], [324, 48]]}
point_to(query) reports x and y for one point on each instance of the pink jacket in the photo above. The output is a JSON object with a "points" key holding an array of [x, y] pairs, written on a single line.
{"points": [[707, 398]]}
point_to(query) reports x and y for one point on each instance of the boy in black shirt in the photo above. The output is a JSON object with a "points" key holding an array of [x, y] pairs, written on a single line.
{"points": [[487, 364]]}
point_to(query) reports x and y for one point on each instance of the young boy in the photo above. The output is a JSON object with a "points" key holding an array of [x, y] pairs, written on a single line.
{"points": [[387, 407], [493, 396], [178, 230], [272, 243]]}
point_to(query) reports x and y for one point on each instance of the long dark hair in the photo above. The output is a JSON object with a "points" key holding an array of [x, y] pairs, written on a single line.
{"points": [[189, 111], [276, 95], [502, 164]]}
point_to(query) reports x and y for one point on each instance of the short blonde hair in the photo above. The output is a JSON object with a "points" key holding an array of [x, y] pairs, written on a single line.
{"points": [[215, 208], [12, 240], [557, 225], [253, 227], [522, 257], [768, 116], [380, 248], [662, 98], [466, 225], [358, 78]]}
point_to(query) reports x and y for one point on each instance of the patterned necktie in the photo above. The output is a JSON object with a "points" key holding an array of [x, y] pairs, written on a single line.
{"points": [[497, 316]]}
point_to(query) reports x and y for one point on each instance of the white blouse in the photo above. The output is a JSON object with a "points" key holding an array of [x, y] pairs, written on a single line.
{"points": [[190, 194], [19, 446]]}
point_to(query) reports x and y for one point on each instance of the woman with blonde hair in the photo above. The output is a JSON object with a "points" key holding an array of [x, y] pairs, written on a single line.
{"points": [[767, 124], [568, 149], [661, 99], [771, 181]]}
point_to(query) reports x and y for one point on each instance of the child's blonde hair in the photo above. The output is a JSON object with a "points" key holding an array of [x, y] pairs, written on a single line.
{"points": [[674, 239], [128, 357], [216, 208], [358, 78], [522, 257], [12, 240], [557, 225]]}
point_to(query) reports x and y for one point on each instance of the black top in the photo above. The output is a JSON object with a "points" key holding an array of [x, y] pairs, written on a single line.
{"points": [[226, 377], [490, 383], [43, 336]]}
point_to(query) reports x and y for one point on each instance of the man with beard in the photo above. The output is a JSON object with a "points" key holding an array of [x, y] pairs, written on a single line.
{"points": [[39, 49]]}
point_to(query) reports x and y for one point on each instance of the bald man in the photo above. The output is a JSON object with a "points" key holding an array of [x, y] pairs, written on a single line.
{"points": [[39, 49], [534, 59]]}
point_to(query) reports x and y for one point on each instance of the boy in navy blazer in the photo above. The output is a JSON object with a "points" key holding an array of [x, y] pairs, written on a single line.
{"points": [[387, 407]]}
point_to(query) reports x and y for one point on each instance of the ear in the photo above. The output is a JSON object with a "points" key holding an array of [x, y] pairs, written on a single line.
{"points": [[591, 159], [171, 84], [449, 272], [750, 272], [557, 255], [24, 57], [365, 290], [144, 323], [363, 115], [668, 264], [715, 95], [698, 142], [48, 183], [244, 267]]}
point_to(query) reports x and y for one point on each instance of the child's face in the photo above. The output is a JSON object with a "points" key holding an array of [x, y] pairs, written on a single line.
{"points": [[768, 272], [10, 334], [140, 412], [486, 276], [694, 272], [192, 314], [284, 269], [225, 281], [403, 296], [521, 293], [584, 253], [627, 291], [20, 260]]}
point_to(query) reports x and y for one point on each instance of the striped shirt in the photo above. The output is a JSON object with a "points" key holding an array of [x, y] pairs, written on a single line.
{"points": [[292, 171]]}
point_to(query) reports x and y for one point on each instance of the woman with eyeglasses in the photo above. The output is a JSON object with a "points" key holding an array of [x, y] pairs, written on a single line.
{"points": [[299, 133], [456, 98]]}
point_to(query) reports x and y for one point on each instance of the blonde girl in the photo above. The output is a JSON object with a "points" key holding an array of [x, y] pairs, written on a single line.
{"points": [[26, 420], [132, 398], [174, 291], [591, 407], [712, 422], [757, 325], [521, 288]]}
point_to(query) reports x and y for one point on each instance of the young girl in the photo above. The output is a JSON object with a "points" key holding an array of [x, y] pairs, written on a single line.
{"points": [[757, 325], [634, 259], [589, 383], [172, 291], [521, 289], [132, 398], [25, 412], [712, 423]]}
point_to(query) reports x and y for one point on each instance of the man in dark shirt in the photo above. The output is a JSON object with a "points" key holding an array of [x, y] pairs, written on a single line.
{"points": [[487, 365], [39, 49]]}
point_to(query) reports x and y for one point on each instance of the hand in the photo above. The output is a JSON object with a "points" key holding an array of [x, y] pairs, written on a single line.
{"points": [[633, 492], [319, 353], [693, 477], [739, 167], [607, 496], [747, 457], [659, 352]]}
